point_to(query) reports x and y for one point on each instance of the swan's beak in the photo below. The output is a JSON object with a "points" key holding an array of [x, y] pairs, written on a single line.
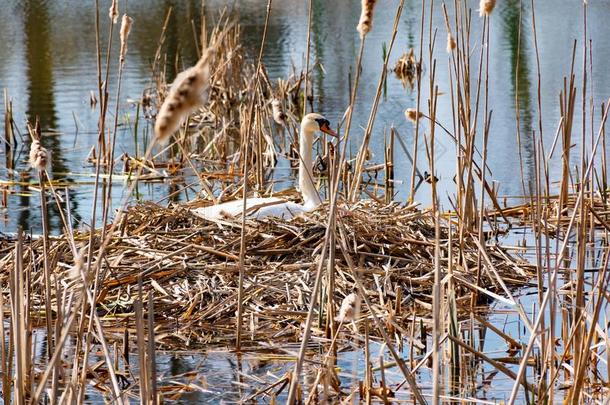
{"points": [[326, 129]]}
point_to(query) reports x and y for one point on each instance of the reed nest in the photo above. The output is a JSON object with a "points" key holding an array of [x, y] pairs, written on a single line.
{"points": [[189, 266]]}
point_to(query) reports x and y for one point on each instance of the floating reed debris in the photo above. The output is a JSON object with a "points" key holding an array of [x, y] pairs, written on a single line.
{"points": [[366, 17], [407, 68]]}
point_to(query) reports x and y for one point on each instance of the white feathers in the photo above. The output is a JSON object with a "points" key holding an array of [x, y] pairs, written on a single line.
{"points": [[256, 208]]}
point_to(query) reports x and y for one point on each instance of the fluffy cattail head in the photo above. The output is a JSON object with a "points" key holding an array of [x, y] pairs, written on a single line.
{"points": [[486, 7], [126, 23], [366, 17], [349, 308], [39, 156], [451, 44], [189, 91], [413, 115], [113, 12], [279, 116]]}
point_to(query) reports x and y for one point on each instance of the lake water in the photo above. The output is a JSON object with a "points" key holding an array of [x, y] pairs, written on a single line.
{"points": [[48, 67]]}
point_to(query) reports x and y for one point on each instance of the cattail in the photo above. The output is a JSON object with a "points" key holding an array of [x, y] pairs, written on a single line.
{"points": [[39, 156], [366, 17], [486, 7], [349, 308], [278, 112], [189, 91], [451, 44], [413, 115], [113, 12], [124, 33]]}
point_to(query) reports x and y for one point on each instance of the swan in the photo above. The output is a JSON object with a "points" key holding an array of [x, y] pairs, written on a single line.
{"points": [[273, 206]]}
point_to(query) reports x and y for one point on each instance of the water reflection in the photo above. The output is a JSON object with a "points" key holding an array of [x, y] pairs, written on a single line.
{"points": [[55, 42], [516, 40]]}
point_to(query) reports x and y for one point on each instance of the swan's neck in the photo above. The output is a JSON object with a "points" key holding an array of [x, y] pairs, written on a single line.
{"points": [[306, 184]]}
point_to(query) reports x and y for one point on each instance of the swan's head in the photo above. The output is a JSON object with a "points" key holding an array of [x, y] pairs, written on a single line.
{"points": [[315, 122]]}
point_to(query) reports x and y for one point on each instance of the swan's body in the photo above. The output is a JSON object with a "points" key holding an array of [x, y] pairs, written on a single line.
{"points": [[256, 207], [273, 206]]}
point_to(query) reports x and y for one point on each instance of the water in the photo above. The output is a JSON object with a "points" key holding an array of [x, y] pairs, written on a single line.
{"points": [[48, 66]]}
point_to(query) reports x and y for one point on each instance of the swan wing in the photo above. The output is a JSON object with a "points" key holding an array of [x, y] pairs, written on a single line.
{"points": [[233, 208], [285, 210]]}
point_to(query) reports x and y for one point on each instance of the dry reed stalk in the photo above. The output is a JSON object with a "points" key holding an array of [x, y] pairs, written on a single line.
{"points": [[145, 379], [355, 189], [248, 137], [39, 160], [436, 314], [18, 326], [9, 136], [414, 169], [559, 254], [4, 357], [432, 103], [403, 368], [368, 369], [307, 54]]}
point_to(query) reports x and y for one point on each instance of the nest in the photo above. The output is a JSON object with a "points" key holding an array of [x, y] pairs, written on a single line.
{"points": [[190, 268]]}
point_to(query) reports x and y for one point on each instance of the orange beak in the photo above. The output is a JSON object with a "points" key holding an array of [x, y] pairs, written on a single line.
{"points": [[326, 129]]}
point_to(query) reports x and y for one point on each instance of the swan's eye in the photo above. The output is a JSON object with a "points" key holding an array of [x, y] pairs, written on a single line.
{"points": [[323, 123]]}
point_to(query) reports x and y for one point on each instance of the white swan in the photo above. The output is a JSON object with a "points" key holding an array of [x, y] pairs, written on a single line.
{"points": [[274, 206]]}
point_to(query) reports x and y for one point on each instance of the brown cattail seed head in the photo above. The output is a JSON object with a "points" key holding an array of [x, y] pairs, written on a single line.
{"points": [[113, 12], [451, 44], [486, 7], [412, 114], [189, 91], [278, 112], [39, 156], [366, 17], [349, 308], [126, 23]]}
